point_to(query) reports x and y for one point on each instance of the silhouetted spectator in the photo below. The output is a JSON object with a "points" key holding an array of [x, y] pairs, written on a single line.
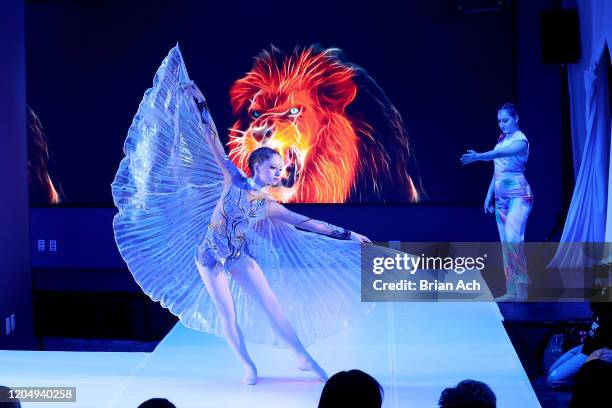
{"points": [[592, 385], [4, 403], [157, 403], [604, 354], [354, 389], [468, 394], [561, 374]]}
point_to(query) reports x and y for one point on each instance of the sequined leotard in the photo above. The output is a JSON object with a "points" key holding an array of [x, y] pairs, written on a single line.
{"points": [[238, 209]]}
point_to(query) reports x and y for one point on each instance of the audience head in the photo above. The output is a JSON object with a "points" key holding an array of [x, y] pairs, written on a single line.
{"points": [[352, 388], [592, 384], [468, 394], [157, 403], [4, 394]]}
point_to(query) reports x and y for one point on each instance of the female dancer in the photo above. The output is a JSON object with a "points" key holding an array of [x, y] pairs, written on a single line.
{"points": [[224, 243], [177, 192], [513, 198]]}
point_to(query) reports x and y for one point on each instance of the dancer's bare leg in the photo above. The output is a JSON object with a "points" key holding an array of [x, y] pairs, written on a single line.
{"points": [[218, 289], [250, 276]]}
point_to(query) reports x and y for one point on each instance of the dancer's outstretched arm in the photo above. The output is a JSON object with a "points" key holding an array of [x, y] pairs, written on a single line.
{"points": [[230, 171], [514, 148], [278, 211]]}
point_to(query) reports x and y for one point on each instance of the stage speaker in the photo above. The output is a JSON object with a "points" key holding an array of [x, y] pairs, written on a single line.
{"points": [[560, 36]]}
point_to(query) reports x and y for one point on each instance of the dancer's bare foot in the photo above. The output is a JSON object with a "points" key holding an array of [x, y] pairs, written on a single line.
{"points": [[307, 363], [250, 375], [516, 293], [508, 297]]}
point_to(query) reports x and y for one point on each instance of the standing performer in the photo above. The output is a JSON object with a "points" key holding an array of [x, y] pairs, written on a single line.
{"points": [[179, 196], [513, 198]]}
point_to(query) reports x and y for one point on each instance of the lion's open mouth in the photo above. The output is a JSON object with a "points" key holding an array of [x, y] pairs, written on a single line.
{"points": [[293, 166]]}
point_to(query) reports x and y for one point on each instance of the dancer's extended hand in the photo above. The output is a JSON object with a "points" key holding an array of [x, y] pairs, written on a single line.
{"points": [[193, 90], [470, 157], [360, 238], [488, 204]]}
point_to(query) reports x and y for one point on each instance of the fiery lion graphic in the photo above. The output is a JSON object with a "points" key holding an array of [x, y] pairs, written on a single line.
{"points": [[340, 138]]}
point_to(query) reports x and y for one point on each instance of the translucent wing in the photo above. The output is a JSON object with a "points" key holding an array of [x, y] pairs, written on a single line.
{"points": [[317, 279], [165, 189]]}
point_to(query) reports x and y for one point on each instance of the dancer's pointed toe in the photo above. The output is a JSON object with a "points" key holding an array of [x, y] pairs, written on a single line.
{"points": [[311, 365], [250, 376]]}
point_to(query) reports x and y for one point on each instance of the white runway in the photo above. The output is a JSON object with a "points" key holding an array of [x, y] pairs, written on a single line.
{"points": [[414, 349]]}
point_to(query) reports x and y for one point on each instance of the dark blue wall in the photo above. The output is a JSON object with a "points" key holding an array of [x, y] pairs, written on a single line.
{"points": [[539, 96], [84, 236], [15, 278]]}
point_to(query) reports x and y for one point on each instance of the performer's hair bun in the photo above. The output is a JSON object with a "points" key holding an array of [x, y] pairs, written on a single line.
{"points": [[509, 107], [259, 155]]}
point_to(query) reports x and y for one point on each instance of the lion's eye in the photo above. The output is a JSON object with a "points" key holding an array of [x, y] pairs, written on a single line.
{"points": [[294, 111], [256, 114]]}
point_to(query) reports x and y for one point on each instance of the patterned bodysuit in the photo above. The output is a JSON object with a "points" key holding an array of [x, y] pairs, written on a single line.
{"points": [[513, 202], [238, 209]]}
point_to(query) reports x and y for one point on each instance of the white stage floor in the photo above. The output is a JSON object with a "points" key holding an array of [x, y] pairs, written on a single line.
{"points": [[414, 350]]}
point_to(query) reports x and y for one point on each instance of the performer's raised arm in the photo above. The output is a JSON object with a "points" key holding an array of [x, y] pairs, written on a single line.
{"points": [[278, 211], [518, 147], [230, 172]]}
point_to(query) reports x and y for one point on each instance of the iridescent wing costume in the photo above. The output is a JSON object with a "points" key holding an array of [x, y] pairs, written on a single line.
{"points": [[166, 190]]}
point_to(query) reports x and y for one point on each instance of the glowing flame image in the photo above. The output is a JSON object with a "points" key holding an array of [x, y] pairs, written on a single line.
{"points": [[43, 190]]}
